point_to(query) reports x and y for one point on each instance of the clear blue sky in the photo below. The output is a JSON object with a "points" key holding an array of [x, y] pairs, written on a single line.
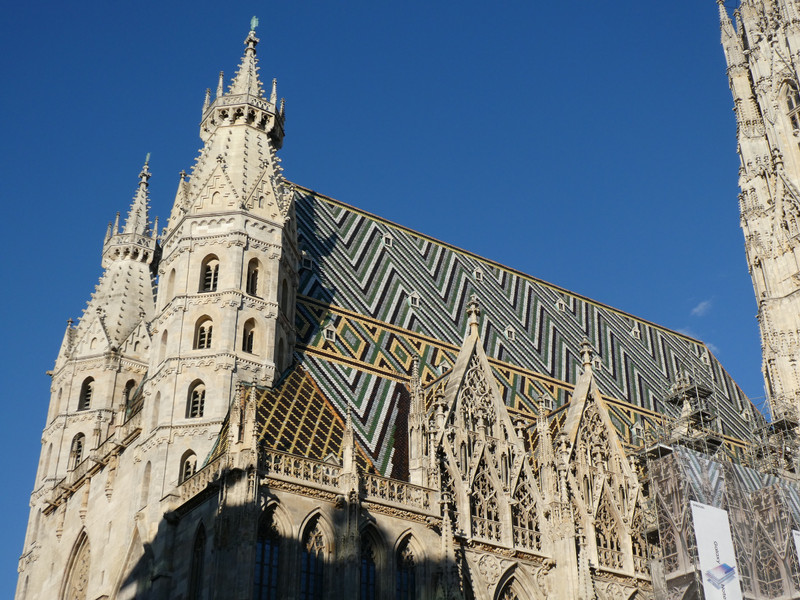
{"points": [[588, 144]]}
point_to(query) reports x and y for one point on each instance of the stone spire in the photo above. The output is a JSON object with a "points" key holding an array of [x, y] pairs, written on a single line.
{"points": [[765, 87], [124, 294], [138, 221], [246, 80]]}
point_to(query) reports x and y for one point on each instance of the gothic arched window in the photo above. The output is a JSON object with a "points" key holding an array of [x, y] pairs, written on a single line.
{"points": [[524, 518], [198, 562], [252, 277], [202, 333], [793, 105], [484, 508], [405, 574], [609, 551], [77, 582], [85, 399], [188, 466], [367, 587], [209, 274], [312, 566], [268, 545], [76, 450], [248, 335], [196, 400], [127, 393]]}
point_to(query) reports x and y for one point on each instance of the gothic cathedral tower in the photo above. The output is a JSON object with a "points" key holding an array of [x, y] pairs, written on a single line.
{"points": [[143, 383], [763, 56]]}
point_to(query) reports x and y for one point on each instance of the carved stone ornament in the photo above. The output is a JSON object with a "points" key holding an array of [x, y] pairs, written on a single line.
{"points": [[489, 567]]}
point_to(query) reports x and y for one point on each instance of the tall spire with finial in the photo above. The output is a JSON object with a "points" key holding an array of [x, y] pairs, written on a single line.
{"points": [[246, 80], [138, 220]]}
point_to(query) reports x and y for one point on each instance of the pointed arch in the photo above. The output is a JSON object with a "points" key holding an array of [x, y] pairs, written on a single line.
{"points": [[525, 515], [76, 578], [372, 562], [127, 392], [314, 549], [197, 565], [515, 584], [135, 575], [188, 466], [406, 563], [76, 451], [607, 538], [484, 505], [252, 280], [268, 556], [249, 336]]}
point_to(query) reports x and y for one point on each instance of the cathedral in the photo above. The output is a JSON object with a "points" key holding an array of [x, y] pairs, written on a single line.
{"points": [[281, 396]]}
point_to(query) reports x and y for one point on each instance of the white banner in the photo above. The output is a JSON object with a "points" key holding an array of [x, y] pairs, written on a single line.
{"points": [[796, 536], [715, 551]]}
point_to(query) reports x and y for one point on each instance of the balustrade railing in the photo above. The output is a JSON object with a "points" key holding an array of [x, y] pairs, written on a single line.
{"points": [[640, 565], [283, 465], [609, 558], [390, 490], [486, 529], [527, 538]]}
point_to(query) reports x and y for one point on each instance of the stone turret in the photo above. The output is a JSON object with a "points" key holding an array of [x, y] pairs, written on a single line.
{"points": [[103, 359], [228, 276]]}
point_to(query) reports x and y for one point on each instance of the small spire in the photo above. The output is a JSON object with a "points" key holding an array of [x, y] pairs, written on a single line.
{"points": [[138, 221], [473, 313], [273, 96], [207, 101], [246, 80], [116, 224], [155, 228], [587, 354], [283, 107], [221, 84]]}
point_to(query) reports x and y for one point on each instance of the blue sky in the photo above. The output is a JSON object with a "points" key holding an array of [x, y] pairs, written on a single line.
{"points": [[589, 144]]}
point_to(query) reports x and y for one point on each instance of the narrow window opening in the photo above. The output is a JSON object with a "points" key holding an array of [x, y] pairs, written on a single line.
{"points": [[76, 451], [188, 466], [252, 277], [195, 404], [87, 389], [248, 336], [203, 332], [210, 274]]}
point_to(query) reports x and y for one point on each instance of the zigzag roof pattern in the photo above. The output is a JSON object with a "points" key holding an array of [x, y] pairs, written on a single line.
{"points": [[389, 293]]}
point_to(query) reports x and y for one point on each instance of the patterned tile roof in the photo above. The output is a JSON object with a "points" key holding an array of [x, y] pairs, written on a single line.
{"points": [[384, 293]]}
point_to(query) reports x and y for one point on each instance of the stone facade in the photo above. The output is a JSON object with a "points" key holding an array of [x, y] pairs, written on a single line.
{"points": [[313, 402]]}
